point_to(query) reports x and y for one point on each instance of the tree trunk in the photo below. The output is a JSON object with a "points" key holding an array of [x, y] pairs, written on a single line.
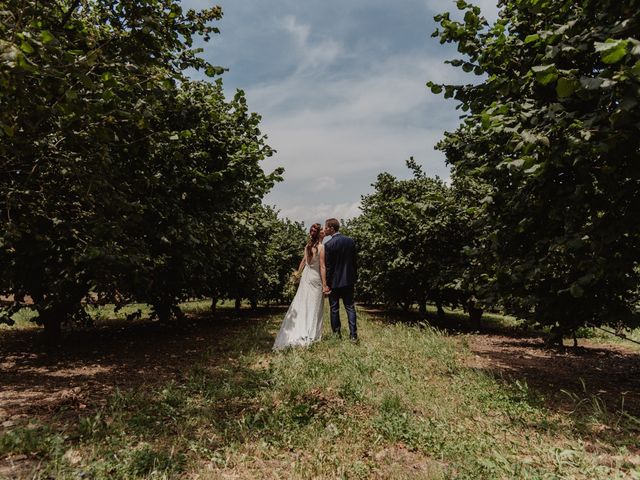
{"points": [[238, 304], [440, 310], [475, 315], [163, 311], [214, 304], [52, 327], [554, 339], [52, 318], [422, 308], [254, 304]]}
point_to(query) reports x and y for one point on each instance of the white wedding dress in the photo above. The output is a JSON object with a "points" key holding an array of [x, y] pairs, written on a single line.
{"points": [[302, 325]]}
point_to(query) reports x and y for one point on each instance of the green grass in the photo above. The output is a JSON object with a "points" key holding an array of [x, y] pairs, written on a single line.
{"points": [[490, 321], [605, 336], [106, 313], [495, 322], [401, 404]]}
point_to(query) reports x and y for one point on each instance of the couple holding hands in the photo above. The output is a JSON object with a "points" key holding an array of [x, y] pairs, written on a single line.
{"points": [[328, 267]]}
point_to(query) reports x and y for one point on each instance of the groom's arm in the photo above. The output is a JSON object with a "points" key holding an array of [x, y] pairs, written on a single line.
{"points": [[328, 261], [355, 258]]}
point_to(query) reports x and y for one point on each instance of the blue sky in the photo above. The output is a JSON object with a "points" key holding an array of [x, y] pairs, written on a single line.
{"points": [[340, 85]]}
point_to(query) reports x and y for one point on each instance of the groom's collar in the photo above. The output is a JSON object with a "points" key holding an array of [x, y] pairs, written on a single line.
{"points": [[337, 233]]}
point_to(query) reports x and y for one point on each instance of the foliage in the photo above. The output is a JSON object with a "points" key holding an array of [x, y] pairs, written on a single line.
{"points": [[207, 177], [411, 235], [282, 254], [119, 176], [266, 249], [553, 128]]}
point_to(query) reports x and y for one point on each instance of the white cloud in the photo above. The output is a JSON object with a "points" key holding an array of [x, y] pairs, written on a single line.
{"points": [[313, 213], [333, 136], [323, 184], [341, 90], [358, 124], [312, 55], [298, 31]]}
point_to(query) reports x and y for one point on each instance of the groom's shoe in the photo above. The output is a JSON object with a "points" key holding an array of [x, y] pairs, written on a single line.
{"points": [[337, 334], [354, 340]]}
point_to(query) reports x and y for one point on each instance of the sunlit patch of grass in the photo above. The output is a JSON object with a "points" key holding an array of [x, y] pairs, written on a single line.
{"points": [[108, 313], [22, 320], [401, 404], [630, 338]]}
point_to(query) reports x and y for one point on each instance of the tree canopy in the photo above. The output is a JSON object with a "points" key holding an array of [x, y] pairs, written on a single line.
{"points": [[411, 237], [552, 126], [120, 176]]}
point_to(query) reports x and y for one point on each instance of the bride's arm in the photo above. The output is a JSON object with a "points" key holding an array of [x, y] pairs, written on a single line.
{"points": [[323, 268], [302, 262]]}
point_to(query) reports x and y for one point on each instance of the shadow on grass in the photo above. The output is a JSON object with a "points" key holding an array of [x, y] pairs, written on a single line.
{"points": [[454, 322], [148, 398], [117, 355], [597, 385]]}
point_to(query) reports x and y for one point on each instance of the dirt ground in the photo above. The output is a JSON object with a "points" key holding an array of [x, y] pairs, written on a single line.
{"points": [[94, 364], [610, 372]]}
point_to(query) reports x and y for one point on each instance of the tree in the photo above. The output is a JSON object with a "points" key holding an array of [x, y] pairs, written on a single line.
{"points": [[267, 249], [411, 235], [205, 174], [285, 241], [119, 175], [552, 127]]}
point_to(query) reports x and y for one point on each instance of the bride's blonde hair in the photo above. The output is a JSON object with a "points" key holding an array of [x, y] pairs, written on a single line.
{"points": [[314, 240]]}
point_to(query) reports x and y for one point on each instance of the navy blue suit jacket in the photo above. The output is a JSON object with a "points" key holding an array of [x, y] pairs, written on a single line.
{"points": [[340, 261]]}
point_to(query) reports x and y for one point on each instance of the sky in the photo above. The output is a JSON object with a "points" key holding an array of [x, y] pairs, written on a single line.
{"points": [[340, 86]]}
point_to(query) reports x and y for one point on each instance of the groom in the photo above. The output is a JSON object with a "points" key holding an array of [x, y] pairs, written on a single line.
{"points": [[340, 261]]}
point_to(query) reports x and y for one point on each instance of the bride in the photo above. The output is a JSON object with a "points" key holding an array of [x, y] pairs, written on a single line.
{"points": [[302, 325]]}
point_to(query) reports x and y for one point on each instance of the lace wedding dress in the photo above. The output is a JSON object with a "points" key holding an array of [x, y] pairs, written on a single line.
{"points": [[302, 325]]}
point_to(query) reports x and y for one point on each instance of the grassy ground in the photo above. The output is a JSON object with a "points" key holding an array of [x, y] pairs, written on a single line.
{"points": [[494, 322], [490, 321], [401, 404], [105, 313]]}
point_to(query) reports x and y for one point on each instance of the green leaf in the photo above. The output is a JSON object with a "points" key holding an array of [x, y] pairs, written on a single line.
{"points": [[576, 291], [213, 71], [585, 280], [531, 38], [26, 47], [628, 103], [566, 87], [591, 83], [545, 74], [612, 51], [636, 69], [46, 36], [435, 88], [8, 130]]}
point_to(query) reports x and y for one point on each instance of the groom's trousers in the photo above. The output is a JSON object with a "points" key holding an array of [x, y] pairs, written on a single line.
{"points": [[346, 294]]}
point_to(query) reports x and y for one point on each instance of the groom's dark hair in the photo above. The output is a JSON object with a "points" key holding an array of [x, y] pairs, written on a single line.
{"points": [[333, 223]]}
